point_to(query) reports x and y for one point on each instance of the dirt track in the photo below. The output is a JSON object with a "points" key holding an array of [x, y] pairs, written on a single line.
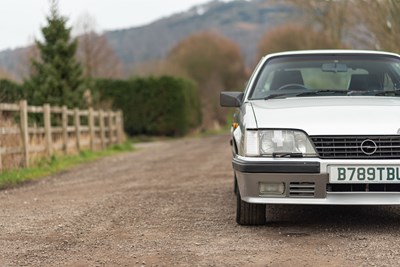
{"points": [[171, 203]]}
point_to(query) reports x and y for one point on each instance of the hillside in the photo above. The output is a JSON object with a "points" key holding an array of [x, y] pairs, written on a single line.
{"points": [[11, 60], [242, 21]]}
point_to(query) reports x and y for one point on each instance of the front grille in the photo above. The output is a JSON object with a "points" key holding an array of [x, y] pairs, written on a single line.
{"points": [[301, 189], [363, 187], [349, 147]]}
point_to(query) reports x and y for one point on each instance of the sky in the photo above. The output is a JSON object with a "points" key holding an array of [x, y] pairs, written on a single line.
{"points": [[21, 20]]}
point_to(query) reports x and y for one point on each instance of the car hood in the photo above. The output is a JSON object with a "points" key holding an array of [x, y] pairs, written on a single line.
{"points": [[347, 115]]}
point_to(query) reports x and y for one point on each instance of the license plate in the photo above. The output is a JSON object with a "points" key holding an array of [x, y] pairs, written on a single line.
{"points": [[364, 174]]}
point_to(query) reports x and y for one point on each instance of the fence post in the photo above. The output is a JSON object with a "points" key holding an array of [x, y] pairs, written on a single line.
{"points": [[47, 129], [1, 148], [91, 128], [23, 105], [77, 128], [65, 129], [110, 127], [122, 125], [102, 130], [1, 159], [119, 126]]}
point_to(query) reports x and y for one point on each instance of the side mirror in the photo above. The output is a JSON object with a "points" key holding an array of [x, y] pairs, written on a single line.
{"points": [[231, 99]]}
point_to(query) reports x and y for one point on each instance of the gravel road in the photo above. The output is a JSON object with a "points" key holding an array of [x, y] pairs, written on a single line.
{"points": [[171, 204]]}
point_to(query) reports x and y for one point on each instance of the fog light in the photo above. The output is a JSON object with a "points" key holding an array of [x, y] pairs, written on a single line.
{"points": [[272, 188]]}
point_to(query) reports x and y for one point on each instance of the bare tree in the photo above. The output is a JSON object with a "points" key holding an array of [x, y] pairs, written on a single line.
{"points": [[332, 18], [382, 21], [373, 24], [6, 75], [293, 37], [216, 64], [158, 68], [94, 52], [26, 56]]}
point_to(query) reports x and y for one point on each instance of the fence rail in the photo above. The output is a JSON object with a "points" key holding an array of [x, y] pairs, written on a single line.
{"points": [[62, 130]]}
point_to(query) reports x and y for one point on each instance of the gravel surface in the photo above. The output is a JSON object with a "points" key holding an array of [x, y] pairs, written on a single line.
{"points": [[171, 203]]}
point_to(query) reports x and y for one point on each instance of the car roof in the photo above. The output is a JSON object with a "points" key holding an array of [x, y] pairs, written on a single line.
{"points": [[330, 52]]}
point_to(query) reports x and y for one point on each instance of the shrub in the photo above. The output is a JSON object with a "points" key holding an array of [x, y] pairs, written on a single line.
{"points": [[216, 64], [10, 92], [154, 106]]}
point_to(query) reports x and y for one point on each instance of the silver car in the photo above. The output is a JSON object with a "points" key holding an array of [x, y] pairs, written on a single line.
{"points": [[317, 127]]}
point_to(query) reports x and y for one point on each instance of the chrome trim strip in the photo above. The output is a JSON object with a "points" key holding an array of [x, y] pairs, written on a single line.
{"points": [[354, 198]]}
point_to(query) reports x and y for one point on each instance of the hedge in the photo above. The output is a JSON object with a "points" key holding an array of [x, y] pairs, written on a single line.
{"points": [[10, 91], [154, 106]]}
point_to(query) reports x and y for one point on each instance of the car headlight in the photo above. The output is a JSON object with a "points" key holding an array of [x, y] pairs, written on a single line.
{"points": [[278, 143]]}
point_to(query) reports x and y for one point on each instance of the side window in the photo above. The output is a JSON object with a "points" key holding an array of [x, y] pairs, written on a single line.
{"points": [[263, 85], [268, 81], [388, 84]]}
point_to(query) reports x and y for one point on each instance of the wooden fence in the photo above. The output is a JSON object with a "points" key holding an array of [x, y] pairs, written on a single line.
{"points": [[62, 130]]}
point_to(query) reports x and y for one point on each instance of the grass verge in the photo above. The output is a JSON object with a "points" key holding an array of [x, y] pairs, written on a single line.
{"points": [[12, 178]]}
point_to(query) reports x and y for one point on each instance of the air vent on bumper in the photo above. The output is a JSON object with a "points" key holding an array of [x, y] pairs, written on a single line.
{"points": [[301, 189]]}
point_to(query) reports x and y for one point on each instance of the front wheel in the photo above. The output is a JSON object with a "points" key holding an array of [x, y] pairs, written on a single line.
{"points": [[235, 185], [249, 213]]}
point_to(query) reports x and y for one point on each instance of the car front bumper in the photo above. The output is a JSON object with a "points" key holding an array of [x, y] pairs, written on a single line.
{"points": [[306, 181]]}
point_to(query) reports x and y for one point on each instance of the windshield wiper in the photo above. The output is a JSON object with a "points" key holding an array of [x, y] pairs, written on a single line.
{"points": [[307, 93], [387, 93], [275, 96], [283, 95], [334, 92], [322, 92]]}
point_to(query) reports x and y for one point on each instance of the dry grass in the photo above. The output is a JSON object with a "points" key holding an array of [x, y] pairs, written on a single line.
{"points": [[10, 140]]}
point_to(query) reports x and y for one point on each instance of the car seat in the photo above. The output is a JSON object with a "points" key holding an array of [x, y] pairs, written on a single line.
{"points": [[283, 77], [364, 82]]}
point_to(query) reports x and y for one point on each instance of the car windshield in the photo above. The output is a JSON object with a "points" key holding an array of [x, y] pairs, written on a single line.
{"points": [[322, 75]]}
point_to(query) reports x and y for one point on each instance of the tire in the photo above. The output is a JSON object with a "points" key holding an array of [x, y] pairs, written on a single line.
{"points": [[235, 185], [248, 213]]}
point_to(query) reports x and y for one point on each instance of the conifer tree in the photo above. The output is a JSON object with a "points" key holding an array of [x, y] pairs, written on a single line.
{"points": [[57, 76]]}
